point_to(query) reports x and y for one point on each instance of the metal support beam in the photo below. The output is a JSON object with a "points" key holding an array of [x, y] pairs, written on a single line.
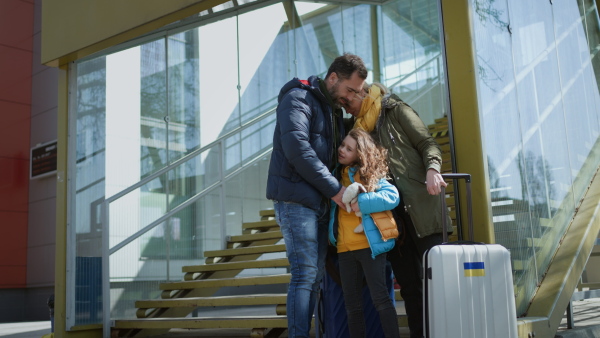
{"points": [[464, 118], [570, 320], [292, 14], [375, 45]]}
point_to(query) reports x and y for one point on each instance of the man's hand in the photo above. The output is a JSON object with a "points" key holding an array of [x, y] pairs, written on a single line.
{"points": [[355, 207], [338, 198], [434, 182]]}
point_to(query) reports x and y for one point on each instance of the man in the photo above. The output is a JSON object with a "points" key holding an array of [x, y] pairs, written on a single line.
{"points": [[415, 161], [308, 130]]}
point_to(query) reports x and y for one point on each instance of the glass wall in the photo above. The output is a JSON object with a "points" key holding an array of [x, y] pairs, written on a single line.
{"points": [[540, 105], [176, 132], [412, 64]]}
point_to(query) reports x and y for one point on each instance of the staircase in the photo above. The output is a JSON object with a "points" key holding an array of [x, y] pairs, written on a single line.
{"points": [[201, 282]]}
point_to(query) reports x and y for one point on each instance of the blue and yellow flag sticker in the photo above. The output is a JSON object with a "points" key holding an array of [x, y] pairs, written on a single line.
{"points": [[474, 269]]}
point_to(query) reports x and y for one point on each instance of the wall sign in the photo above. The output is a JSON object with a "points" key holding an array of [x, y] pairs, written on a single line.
{"points": [[43, 160]]}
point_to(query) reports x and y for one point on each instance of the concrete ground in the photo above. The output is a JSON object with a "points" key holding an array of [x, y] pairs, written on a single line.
{"points": [[586, 314]]}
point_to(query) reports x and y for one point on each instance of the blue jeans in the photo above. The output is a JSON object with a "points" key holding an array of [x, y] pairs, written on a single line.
{"points": [[305, 234], [354, 266]]}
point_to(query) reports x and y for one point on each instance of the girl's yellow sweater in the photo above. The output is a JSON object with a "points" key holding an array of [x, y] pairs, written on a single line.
{"points": [[347, 240]]}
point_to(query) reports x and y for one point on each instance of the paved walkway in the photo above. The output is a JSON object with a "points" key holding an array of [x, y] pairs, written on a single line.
{"points": [[586, 314], [24, 329]]}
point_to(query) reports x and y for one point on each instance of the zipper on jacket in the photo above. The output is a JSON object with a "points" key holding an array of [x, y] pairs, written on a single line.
{"points": [[391, 136], [351, 174]]}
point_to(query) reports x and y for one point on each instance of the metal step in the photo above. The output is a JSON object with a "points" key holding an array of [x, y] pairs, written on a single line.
{"points": [[238, 300], [267, 213], [236, 281], [248, 250], [260, 225], [249, 322], [267, 263], [255, 237]]}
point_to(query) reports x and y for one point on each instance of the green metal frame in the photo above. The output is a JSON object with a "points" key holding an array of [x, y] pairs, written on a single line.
{"points": [[464, 119]]}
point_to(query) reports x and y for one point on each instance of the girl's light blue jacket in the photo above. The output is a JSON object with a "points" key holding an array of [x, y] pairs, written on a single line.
{"points": [[386, 197]]}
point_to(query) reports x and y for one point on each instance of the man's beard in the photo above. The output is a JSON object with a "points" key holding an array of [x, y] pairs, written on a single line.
{"points": [[334, 96]]}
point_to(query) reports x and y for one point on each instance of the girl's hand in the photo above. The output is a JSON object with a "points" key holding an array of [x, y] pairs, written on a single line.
{"points": [[434, 182]]}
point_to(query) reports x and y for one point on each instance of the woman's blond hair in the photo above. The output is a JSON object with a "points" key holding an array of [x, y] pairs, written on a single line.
{"points": [[371, 159], [382, 88]]}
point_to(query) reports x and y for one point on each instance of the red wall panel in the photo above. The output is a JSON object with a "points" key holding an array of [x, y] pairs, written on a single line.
{"points": [[11, 276], [17, 14], [15, 82], [14, 130], [16, 51]]}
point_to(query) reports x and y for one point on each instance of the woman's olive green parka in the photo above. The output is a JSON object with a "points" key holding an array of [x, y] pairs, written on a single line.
{"points": [[411, 152]]}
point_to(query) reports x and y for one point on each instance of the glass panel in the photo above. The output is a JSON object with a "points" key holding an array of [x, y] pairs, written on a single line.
{"points": [[354, 33], [137, 209], [575, 73], [305, 59], [592, 28], [90, 146], [315, 44], [232, 153], [146, 107], [257, 138], [592, 76], [411, 57], [134, 277], [195, 175], [263, 64], [535, 95], [234, 203], [218, 96], [138, 268], [151, 73], [498, 104], [255, 180], [327, 34], [184, 82], [541, 111], [89, 191], [210, 235], [185, 181]]}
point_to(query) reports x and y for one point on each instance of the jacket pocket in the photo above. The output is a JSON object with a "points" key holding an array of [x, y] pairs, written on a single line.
{"points": [[386, 224], [417, 177]]}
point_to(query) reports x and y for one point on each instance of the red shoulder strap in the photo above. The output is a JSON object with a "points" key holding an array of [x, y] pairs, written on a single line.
{"points": [[305, 82]]}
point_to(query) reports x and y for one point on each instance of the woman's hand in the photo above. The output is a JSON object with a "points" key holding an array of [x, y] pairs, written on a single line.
{"points": [[434, 182]]}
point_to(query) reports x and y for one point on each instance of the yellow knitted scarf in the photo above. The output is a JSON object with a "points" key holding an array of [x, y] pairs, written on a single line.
{"points": [[369, 110]]}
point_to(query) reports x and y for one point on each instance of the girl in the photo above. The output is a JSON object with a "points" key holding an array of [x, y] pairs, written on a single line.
{"points": [[362, 254]]}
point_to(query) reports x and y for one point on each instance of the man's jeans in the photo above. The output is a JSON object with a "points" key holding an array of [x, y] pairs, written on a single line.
{"points": [[305, 234]]}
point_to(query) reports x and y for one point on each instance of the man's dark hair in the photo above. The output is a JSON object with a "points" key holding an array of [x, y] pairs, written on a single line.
{"points": [[347, 64]]}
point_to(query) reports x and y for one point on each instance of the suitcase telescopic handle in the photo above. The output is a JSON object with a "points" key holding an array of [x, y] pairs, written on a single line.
{"points": [[467, 178]]}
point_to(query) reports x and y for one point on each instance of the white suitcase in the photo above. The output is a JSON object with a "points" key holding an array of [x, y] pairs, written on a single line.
{"points": [[468, 287]]}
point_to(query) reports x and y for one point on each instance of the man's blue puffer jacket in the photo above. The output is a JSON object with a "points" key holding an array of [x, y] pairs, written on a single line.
{"points": [[303, 146]]}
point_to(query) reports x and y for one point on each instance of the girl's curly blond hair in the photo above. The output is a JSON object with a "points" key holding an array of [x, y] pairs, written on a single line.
{"points": [[372, 159]]}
